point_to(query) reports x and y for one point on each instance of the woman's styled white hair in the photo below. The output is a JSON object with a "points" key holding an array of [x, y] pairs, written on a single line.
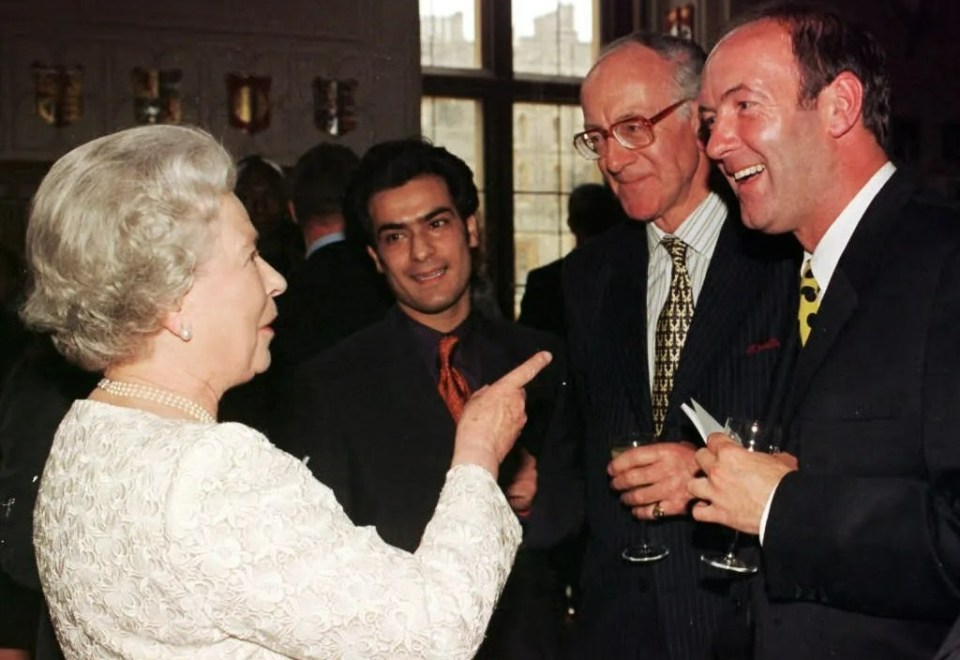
{"points": [[116, 232]]}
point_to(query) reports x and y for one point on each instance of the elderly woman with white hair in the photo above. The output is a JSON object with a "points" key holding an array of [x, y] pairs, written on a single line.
{"points": [[160, 533]]}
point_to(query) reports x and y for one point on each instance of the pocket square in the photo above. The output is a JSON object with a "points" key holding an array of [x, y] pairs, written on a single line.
{"points": [[768, 345]]}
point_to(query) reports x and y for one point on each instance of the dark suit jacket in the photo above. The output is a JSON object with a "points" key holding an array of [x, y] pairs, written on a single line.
{"points": [[862, 544], [368, 415], [950, 650], [330, 296], [672, 608], [40, 389], [542, 304]]}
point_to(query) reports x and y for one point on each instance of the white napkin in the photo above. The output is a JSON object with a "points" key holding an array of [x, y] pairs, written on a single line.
{"points": [[703, 420]]}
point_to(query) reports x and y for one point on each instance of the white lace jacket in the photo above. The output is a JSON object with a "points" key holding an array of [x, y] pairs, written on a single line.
{"points": [[158, 538]]}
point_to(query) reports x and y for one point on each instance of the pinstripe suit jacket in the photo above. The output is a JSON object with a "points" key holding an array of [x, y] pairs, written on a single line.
{"points": [[673, 608]]}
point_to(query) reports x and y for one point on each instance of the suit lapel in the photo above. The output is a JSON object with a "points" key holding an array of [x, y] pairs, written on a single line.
{"points": [[854, 273], [839, 304], [624, 307], [411, 385], [502, 353], [730, 288]]}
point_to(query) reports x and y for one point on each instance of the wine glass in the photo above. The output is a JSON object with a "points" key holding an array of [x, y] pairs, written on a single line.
{"points": [[644, 551], [753, 435]]}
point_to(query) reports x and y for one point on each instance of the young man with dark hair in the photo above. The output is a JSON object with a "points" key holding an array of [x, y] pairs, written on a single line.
{"points": [[376, 414]]}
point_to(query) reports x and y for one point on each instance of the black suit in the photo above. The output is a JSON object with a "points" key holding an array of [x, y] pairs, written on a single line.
{"points": [[542, 304], [951, 646], [331, 295], [369, 416], [862, 544], [672, 608], [40, 389]]}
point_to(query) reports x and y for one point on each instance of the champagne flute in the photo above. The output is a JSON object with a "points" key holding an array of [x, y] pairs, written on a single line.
{"points": [[644, 551], [753, 435]]}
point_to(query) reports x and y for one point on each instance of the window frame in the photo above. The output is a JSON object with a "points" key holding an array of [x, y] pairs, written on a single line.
{"points": [[495, 87]]}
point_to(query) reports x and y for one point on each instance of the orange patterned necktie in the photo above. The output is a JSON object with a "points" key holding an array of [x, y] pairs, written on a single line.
{"points": [[671, 330], [451, 384]]}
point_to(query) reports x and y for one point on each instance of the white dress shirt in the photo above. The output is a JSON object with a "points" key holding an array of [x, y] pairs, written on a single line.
{"points": [[700, 232]]}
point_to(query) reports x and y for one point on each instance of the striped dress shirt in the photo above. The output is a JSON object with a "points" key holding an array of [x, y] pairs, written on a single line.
{"points": [[700, 231]]}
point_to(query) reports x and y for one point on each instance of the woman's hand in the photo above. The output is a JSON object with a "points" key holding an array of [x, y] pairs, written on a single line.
{"points": [[493, 417]]}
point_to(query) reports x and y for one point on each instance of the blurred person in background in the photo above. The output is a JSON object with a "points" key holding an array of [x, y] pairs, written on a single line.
{"points": [[592, 208], [263, 189]]}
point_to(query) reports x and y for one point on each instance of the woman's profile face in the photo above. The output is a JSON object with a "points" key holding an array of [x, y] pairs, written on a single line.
{"points": [[231, 306]]}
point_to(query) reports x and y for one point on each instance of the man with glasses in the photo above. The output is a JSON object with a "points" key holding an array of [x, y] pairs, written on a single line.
{"points": [[682, 303]]}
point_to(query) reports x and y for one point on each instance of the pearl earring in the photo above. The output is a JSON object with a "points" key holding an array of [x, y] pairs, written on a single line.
{"points": [[185, 333]]}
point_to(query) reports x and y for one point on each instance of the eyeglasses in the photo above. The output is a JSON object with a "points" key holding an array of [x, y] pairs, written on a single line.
{"points": [[632, 133]]}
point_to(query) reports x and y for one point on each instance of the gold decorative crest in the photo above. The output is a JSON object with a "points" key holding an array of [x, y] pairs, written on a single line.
{"points": [[335, 106], [680, 21], [59, 98], [249, 99], [156, 95]]}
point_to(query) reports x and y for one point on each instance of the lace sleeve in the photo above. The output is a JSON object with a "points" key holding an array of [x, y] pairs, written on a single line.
{"points": [[269, 554]]}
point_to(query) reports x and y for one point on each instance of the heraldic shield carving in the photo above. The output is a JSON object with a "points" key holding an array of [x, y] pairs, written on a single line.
{"points": [[156, 96], [680, 21], [249, 102], [59, 93], [334, 105]]}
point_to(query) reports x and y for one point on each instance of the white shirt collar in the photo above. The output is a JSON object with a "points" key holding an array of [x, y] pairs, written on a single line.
{"points": [[828, 251], [699, 230], [323, 241]]}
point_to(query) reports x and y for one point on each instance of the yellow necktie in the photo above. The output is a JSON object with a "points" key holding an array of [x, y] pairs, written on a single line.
{"points": [[671, 331], [809, 302]]}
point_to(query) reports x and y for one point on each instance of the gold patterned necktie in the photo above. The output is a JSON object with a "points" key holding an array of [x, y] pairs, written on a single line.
{"points": [[672, 329], [809, 302], [451, 384]]}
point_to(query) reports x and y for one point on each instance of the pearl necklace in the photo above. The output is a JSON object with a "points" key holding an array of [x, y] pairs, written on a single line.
{"points": [[163, 397]]}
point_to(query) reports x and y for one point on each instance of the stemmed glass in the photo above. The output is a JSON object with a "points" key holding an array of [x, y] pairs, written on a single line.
{"points": [[753, 435], [644, 551]]}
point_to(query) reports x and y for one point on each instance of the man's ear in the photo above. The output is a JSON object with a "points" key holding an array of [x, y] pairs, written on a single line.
{"points": [[842, 103], [376, 259], [473, 231]]}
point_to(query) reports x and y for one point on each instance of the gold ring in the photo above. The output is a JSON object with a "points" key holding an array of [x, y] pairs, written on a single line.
{"points": [[657, 511]]}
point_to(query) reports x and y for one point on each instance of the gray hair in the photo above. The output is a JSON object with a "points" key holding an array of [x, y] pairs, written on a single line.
{"points": [[117, 230], [687, 55]]}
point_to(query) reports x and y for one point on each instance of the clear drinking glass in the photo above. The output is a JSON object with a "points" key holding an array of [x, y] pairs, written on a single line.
{"points": [[644, 551], [753, 435]]}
